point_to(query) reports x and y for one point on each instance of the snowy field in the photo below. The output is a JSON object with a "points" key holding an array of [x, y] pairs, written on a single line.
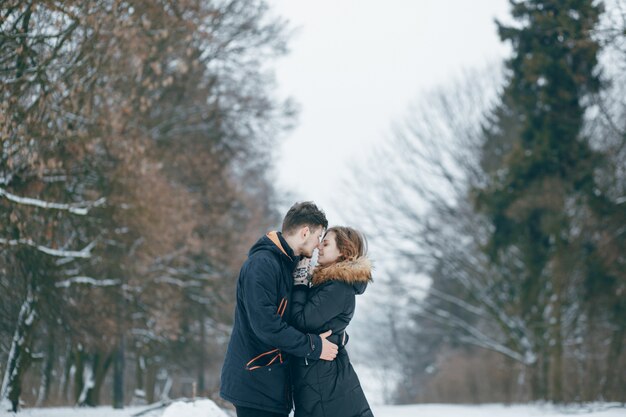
{"points": [[206, 408]]}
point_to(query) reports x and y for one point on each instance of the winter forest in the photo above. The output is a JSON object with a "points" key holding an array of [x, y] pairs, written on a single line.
{"points": [[136, 170]]}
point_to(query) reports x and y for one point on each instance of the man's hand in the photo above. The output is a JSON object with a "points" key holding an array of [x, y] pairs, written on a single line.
{"points": [[329, 349]]}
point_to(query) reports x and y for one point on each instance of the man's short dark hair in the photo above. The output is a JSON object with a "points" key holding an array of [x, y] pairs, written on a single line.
{"points": [[304, 214]]}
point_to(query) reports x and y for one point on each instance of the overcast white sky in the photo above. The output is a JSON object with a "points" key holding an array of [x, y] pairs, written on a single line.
{"points": [[354, 67]]}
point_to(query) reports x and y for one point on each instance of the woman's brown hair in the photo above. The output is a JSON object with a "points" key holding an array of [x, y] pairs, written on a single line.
{"points": [[350, 242]]}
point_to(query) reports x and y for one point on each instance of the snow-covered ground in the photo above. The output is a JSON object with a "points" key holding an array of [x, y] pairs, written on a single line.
{"points": [[207, 408], [497, 410]]}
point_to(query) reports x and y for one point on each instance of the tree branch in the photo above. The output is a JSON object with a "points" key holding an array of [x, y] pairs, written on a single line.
{"points": [[84, 253], [80, 209]]}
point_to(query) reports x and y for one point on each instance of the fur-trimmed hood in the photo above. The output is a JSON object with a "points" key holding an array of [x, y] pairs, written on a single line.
{"points": [[357, 273]]}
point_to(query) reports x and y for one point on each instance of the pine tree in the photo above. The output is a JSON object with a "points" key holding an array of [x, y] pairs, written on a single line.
{"points": [[548, 173]]}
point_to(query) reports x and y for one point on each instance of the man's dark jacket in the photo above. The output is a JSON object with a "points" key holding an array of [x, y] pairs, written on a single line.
{"points": [[255, 372]]}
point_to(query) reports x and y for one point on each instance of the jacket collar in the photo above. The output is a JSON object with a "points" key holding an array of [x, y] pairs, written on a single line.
{"points": [[278, 240], [350, 271]]}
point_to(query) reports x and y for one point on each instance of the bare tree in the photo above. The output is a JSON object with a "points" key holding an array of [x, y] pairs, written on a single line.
{"points": [[419, 209], [136, 144]]}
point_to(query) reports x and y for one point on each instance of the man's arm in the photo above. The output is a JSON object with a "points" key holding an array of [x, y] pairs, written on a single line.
{"points": [[260, 292]]}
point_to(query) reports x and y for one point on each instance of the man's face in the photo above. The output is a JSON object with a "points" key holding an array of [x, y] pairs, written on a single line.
{"points": [[312, 238]]}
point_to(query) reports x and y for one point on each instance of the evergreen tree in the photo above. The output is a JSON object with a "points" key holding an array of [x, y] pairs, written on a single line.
{"points": [[547, 177]]}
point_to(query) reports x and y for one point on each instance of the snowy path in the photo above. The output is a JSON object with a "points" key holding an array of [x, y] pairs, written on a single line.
{"points": [[206, 408], [495, 410]]}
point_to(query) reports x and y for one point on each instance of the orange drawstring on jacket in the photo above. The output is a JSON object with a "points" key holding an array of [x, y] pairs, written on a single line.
{"points": [[279, 356]]}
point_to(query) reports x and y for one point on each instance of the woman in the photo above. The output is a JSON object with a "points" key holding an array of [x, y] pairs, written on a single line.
{"points": [[323, 388]]}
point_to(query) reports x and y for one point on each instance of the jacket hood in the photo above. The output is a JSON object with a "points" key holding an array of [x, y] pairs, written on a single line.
{"points": [[357, 273], [274, 242]]}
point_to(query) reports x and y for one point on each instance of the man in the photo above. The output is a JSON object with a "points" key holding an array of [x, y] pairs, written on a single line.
{"points": [[255, 375]]}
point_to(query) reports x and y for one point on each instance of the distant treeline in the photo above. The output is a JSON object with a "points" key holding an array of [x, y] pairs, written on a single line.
{"points": [[508, 191], [136, 147]]}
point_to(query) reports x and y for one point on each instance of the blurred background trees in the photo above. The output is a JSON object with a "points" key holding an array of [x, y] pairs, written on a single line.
{"points": [[137, 146], [504, 216], [136, 143]]}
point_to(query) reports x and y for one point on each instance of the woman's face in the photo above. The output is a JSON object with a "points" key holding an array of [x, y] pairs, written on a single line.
{"points": [[328, 251]]}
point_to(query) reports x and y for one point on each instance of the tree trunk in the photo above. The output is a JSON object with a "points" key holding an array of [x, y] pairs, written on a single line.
{"points": [[64, 390], [46, 374], [535, 380], [20, 353], [118, 376], [79, 370], [539, 370], [545, 370], [610, 387], [100, 376], [139, 396], [557, 337], [511, 380], [151, 382], [118, 354], [94, 375], [202, 358], [539, 373]]}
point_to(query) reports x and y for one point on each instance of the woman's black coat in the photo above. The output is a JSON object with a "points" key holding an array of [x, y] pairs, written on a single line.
{"points": [[323, 388]]}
